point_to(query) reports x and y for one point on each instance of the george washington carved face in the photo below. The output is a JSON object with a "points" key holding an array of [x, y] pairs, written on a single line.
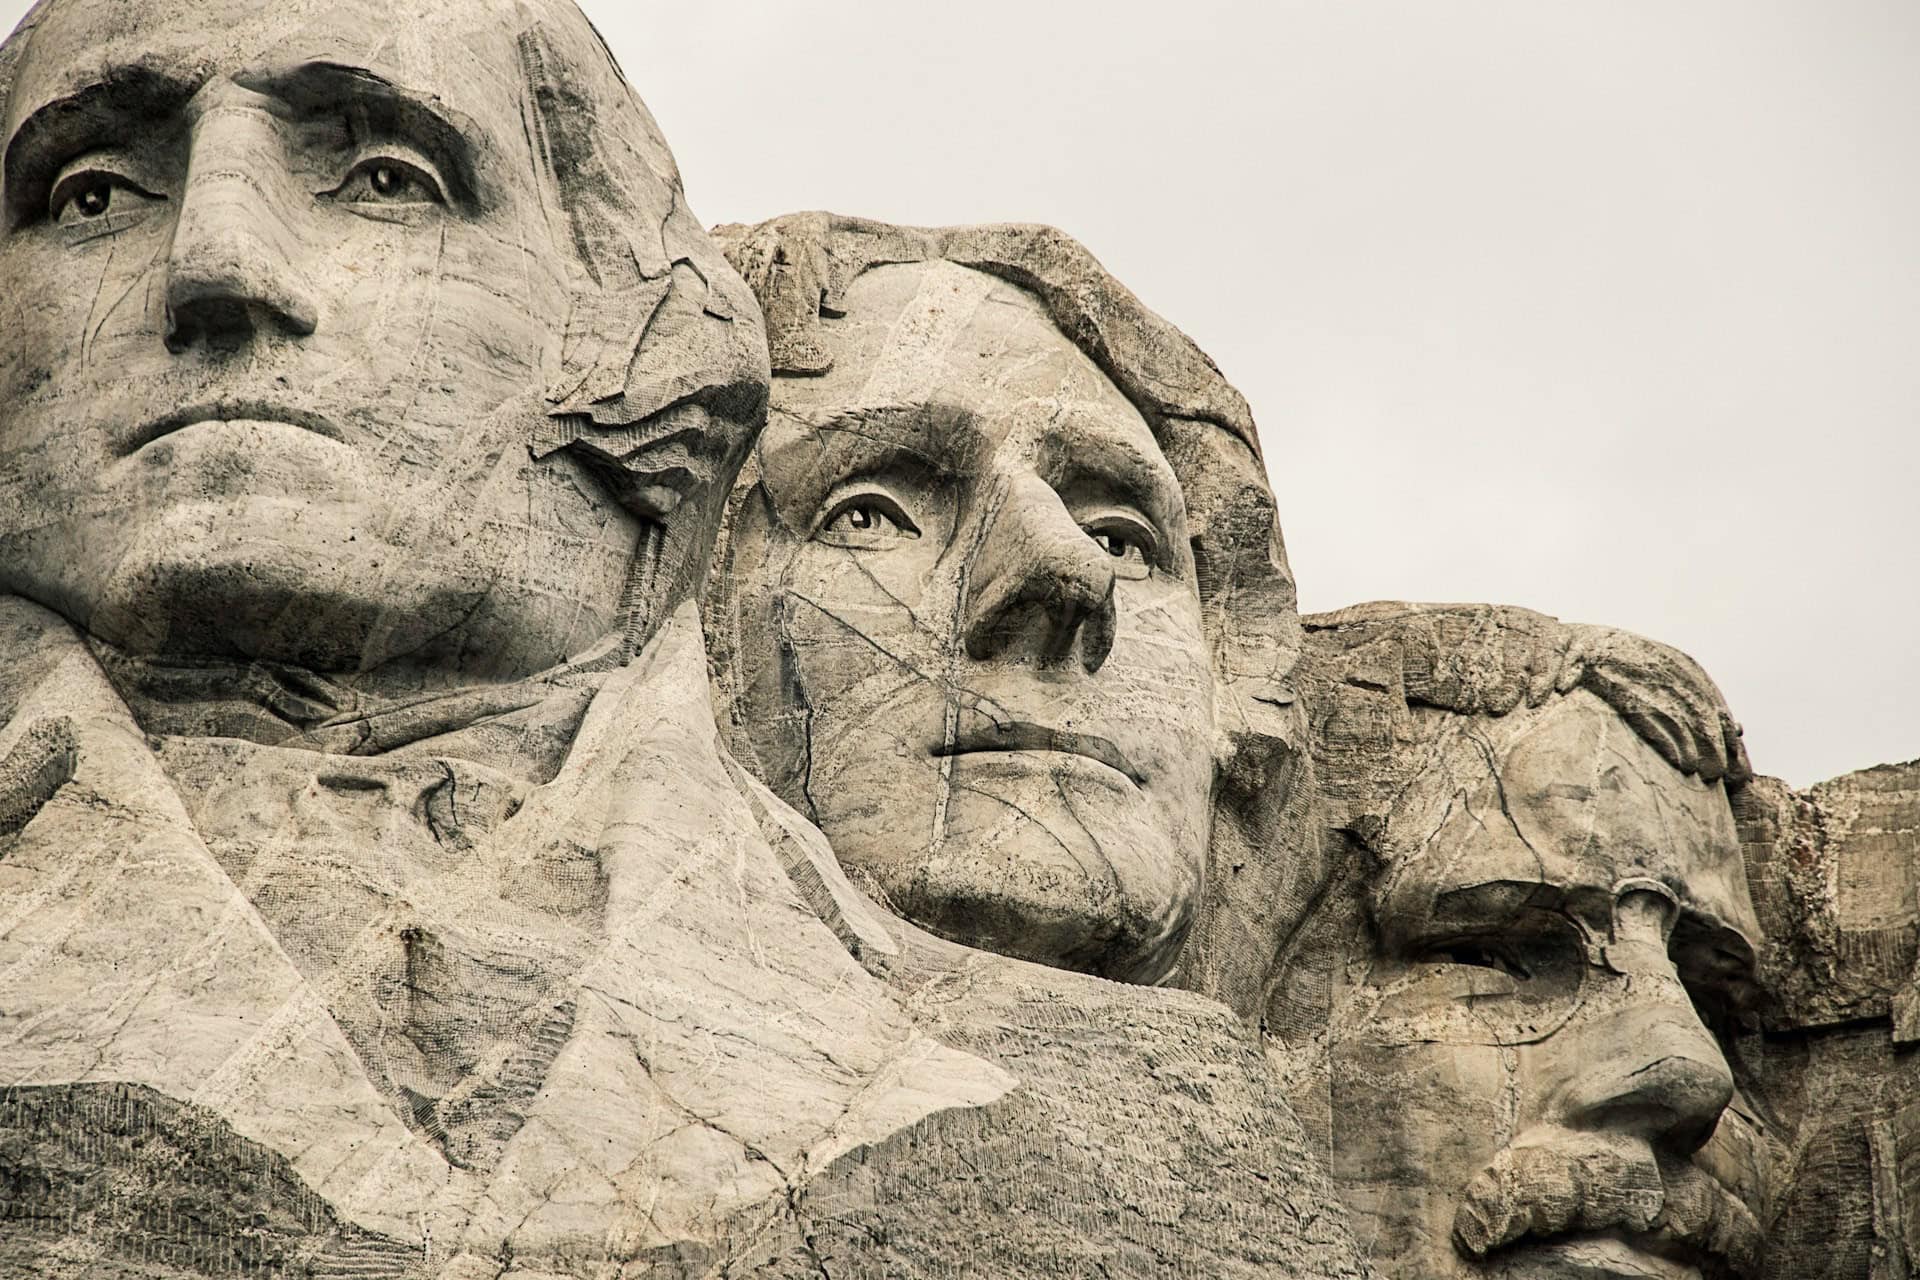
{"points": [[282, 291], [972, 627]]}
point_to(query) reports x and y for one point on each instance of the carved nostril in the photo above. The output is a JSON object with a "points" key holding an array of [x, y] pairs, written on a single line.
{"points": [[227, 309], [1040, 587], [1039, 613], [1685, 1100], [221, 325], [1096, 637], [233, 273], [1671, 1092]]}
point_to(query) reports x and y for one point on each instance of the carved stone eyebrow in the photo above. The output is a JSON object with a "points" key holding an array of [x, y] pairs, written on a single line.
{"points": [[1090, 453], [133, 100], [830, 446], [454, 141], [124, 102]]}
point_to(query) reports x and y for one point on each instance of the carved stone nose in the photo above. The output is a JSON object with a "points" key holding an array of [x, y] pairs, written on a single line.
{"points": [[1648, 1065], [232, 270], [1040, 587]]}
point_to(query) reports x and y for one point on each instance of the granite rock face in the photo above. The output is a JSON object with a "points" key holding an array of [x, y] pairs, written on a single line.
{"points": [[1522, 1005], [377, 896], [1836, 874], [540, 742], [1001, 605]]}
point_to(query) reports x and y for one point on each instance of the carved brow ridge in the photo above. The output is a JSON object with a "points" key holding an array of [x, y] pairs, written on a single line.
{"points": [[76, 121], [950, 436], [452, 139], [1698, 921], [99, 112]]}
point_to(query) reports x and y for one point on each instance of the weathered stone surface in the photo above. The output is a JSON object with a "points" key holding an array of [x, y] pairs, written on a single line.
{"points": [[1146, 1137], [400, 877], [1101, 560], [366, 408], [1001, 604], [1836, 875], [1522, 1001], [378, 898]]}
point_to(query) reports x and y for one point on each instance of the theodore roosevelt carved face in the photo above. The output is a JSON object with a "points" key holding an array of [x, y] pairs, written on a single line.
{"points": [[1534, 1067], [973, 631]]}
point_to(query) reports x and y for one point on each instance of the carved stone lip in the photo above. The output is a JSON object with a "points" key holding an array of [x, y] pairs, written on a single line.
{"points": [[1025, 735], [231, 411]]}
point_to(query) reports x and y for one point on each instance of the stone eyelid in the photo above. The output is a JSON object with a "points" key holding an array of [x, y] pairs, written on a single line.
{"points": [[84, 174], [852, 496], [370, 159]]}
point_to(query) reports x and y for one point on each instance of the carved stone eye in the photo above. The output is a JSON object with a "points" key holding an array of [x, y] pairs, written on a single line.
{"points": [[1481, 956], [386, 180], [95, 200], [869, 516], [867, 520], [1126, 541], [87, 194]]}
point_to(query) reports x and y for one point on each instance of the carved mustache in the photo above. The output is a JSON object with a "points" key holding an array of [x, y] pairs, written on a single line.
{"points": [[1587, 1183]]}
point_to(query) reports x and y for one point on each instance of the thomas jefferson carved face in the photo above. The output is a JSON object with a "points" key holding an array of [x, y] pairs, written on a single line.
{"points": [[276, 290], [1533, 1069], [972, 643]]}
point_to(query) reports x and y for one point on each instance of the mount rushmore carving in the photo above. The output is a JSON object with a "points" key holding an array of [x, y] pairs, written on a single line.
{"points": [[538, 740]]}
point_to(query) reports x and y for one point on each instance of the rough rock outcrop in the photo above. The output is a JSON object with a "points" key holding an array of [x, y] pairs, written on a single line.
{"points": [[1836, 877]]}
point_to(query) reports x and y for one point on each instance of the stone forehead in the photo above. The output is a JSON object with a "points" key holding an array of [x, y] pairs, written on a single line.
{"points": [[466, 54], [502, 68], [914, 332], [1568, 794], [802, 264], [13, 46]]}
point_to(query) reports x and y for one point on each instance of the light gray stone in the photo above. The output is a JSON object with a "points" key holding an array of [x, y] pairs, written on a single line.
{"points": [[539, 742], [376, 895], [1047, 711], [1001, 604], [1525, 1001], [370, 861], [1836, 876]]}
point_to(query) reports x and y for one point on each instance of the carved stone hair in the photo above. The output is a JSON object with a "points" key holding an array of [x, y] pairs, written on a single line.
{"points": [[1488, 660], [1367, 671], [1262, 871], [659, 375]]}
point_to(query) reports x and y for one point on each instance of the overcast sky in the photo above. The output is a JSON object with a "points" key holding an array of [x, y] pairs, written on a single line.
{"points": [[1607, 309]]}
